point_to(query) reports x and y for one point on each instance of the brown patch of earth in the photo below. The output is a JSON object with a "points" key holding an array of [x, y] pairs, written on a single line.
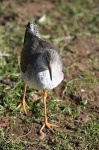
{"points": [[25, 11], [4, 122]]}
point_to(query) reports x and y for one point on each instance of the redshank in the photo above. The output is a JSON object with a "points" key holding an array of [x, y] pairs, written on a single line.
{"points": [[41, 67]]}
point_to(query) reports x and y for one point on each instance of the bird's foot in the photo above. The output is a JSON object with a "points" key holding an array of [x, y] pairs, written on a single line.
{"points": [[24, 105], [48, 125]]}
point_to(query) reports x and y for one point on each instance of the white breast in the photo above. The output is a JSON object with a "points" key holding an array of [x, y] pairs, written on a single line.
{"points": [[47, 83], [42, 80]]}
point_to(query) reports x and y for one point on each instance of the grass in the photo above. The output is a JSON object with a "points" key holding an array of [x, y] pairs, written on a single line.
{"points": [[72, 28]]}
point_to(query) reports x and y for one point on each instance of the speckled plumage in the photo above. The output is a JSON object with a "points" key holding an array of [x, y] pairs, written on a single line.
{"points": [[34, 55]]}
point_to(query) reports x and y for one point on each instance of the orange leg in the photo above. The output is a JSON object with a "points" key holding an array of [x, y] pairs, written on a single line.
{"points": [[46, 124], [23, 102]]}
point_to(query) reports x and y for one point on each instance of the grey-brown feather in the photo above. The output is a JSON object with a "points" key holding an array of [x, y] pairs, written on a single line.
{"points": [[32, 48]]}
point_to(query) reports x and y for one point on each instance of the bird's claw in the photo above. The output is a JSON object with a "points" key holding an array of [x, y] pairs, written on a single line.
{"points": [[24, 105], [48, 125]]}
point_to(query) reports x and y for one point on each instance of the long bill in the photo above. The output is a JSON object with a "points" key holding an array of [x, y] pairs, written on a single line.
{"points": [[50, 70]]}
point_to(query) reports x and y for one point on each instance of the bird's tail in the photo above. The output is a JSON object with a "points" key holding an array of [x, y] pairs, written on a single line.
{"points": [[31, 28]]}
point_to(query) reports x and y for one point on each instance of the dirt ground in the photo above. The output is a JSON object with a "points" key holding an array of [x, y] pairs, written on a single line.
{"points": [[80, 88]]}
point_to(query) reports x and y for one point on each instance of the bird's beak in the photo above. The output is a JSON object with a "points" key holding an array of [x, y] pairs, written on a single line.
{"points": [[50, 70]]}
